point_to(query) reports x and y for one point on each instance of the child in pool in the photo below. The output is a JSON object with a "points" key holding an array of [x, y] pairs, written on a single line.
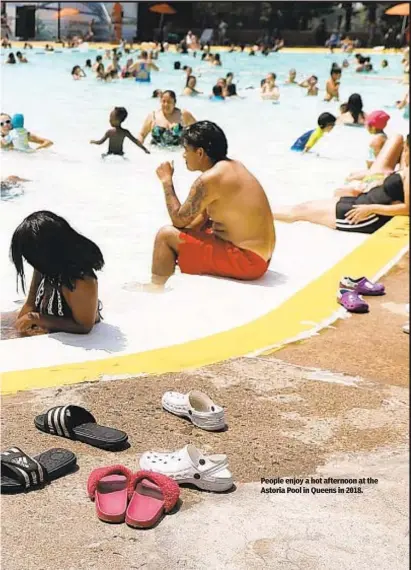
{"points": [[332, 87], [117, 134], [217, 94], [305, 142], [311, 85], [292, 75], [376, 123], [19, 136]]}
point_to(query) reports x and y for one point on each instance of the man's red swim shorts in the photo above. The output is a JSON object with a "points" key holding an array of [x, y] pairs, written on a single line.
{"points": [[202, 253]]}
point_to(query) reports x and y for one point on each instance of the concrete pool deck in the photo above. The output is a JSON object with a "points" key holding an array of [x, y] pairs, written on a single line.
{"points": [[335, 405]]}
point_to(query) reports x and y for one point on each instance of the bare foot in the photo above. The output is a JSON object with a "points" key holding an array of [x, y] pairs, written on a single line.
{"points": [[135, 287]]}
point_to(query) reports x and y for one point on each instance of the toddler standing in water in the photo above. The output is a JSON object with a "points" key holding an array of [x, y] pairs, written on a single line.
{"points": [[117, 134]]}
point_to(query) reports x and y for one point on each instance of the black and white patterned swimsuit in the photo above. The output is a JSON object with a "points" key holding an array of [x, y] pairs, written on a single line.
{"points": [[50, 300]]}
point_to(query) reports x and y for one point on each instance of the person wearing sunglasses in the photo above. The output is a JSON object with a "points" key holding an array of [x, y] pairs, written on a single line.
{"points": [[5, 128]]}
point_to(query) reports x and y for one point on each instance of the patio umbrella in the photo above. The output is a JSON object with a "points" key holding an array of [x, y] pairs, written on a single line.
{"points": [[66, 13], [63, 13], [400, 10], [162, 9]]}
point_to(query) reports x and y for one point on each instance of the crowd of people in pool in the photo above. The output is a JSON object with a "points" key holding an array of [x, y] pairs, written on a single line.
{"points": [[225, 226]]}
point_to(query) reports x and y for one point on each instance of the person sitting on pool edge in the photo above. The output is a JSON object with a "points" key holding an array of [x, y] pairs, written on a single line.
{"points": [[326, 123], [224, 227], [117, 134], [363, 210], [63, 295]]}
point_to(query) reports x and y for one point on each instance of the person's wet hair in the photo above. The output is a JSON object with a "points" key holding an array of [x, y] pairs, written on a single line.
{"points": [[11, 58], [314, 77], [355, 106], [336, 71], [144, 54], [231, 90], [75, 69], [217, 57], [19, 54], [88, 63], [51, 246], [156, 93], [99, 58], [326, 119], [208, 136], [177, 65], [217, 91], [171, 94], [188, 79], [121, 114]]}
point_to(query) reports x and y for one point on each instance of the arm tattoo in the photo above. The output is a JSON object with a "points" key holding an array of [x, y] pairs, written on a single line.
{"points": [[182, 215]]}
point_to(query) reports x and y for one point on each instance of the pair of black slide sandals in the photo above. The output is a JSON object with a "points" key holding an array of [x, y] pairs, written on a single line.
{"points": [[20, 472]]}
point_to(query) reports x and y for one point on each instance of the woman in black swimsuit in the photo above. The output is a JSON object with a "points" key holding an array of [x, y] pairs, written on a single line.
{"points": [[63, 294], [359, 211]]}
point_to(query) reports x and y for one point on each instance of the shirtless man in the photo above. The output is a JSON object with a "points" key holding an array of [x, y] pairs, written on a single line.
{"points": [[332, 86], [224, 227]]}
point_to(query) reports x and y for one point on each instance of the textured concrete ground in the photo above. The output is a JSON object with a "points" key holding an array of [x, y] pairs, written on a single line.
{"points": [[333, 406]]}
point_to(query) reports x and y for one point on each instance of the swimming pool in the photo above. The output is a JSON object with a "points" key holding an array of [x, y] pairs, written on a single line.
{"points": [[119, 204]]}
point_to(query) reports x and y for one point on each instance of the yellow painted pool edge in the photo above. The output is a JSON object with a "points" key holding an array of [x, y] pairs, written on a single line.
{"points": [[312, 304]]}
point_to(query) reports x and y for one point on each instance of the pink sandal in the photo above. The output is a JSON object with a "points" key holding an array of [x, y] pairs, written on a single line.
{"points": [[108, 487], [151, 495]]}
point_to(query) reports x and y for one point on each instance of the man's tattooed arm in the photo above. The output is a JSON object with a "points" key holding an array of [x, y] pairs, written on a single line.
{"points": [[183, 214]]}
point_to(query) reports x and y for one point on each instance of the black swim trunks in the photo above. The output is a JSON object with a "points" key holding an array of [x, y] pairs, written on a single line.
{"points": [[367, 226]]}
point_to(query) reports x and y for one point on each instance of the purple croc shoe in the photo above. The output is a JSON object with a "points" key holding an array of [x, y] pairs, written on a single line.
{"points": [[362, 286], [352, 302]]}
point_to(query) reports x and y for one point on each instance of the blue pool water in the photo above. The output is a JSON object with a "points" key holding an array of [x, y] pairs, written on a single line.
{"points": [[119, 203]]}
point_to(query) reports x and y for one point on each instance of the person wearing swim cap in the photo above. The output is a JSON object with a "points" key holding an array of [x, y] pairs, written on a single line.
{"points": [[375, 123], [19, 136]]}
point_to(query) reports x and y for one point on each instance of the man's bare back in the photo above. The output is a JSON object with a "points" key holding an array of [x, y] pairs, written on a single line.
{"points": [[239, 208], [225, 225]]}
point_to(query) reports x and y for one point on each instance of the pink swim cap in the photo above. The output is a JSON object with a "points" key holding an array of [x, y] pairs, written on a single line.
{"points": [[377, 119]]}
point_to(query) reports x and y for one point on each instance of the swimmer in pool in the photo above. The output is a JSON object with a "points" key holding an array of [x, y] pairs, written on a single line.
{"points": [[19, 136], [292, 75], [332, 87], [375, 123], [305, 142], [117, 134], [311, 85]]}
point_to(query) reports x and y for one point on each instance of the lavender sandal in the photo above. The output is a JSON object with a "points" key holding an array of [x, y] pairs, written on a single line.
{"points": [[362, 286], [352, 302]]}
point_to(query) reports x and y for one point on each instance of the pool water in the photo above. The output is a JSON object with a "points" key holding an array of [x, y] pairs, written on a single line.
{"points": [[119, 203]]}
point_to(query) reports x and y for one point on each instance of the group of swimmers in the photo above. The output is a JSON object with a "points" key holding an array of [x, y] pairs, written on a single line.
{"points": [[224, 227]]}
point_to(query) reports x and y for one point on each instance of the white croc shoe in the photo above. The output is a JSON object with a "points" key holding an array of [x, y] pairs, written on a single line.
{"points": [[189, 465], [196, 406]]}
